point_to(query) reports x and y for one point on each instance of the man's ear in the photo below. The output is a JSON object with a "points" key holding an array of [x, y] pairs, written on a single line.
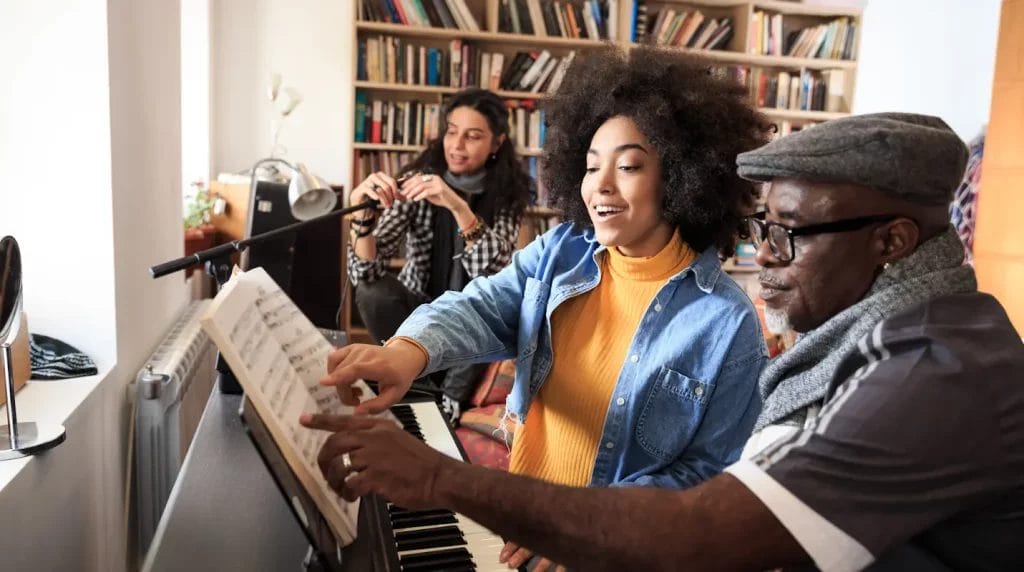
{"points": [[898, 239]]}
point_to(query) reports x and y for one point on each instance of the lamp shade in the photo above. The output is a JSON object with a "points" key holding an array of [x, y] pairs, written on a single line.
{"points": [[308, 195]]}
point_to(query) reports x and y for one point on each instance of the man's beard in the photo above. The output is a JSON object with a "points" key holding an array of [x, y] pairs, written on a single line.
{"points": [[776, 321]]}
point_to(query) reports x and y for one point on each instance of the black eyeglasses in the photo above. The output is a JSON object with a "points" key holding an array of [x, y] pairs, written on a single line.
{"points": [[780, 236]]}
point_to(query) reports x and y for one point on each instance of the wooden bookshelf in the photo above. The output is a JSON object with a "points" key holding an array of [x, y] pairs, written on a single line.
{"points": [[738, 51], [381, 86]]}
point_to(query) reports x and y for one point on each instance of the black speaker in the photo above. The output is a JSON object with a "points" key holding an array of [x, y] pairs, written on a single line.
{"points": [[306, 264]]}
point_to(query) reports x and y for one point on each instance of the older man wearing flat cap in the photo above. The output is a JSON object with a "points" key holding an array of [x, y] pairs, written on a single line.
{"points": [[896, 421]]}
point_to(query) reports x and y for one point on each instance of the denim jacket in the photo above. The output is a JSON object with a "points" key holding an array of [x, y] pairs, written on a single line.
{"points": [[686, 397]]}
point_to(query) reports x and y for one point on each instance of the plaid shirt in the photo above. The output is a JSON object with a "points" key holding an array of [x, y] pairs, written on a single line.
{"points": [[486, 256]]}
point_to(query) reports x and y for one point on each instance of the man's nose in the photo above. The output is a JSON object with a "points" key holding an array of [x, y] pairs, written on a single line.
{"points": [[764, 255]]}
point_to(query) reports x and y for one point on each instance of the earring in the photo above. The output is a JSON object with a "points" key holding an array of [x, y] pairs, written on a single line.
{"points": [[886, 266], [494, 156]]}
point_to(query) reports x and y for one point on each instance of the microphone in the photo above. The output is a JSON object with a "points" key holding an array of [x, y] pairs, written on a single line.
{"points": [[202, 256]]}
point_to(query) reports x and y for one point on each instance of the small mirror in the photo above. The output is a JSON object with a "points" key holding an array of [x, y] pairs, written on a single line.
{"points": [[25, 438], [10, 290]]}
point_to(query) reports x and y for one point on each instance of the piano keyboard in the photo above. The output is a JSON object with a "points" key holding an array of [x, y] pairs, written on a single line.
{"points": [[433, 540]]}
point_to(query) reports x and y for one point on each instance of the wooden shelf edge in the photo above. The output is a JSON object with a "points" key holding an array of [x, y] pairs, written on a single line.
{"points": [[800, 9], [386, 147], [538, 211], [438, 89], [801, 115], [730, 266]]}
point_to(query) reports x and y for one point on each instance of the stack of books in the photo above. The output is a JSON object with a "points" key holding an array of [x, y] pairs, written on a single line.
{"points": [[389, 59], [396, 122], [691, 29], [831, 40], [452, 14], [585, 19], [390, 162], [526, 123]]}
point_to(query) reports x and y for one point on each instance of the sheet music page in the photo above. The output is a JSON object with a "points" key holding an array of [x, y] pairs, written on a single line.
{"points": [[279, 356]]}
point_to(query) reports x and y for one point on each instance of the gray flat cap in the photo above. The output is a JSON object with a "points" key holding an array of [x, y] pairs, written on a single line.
{"points": [[914, 157]]}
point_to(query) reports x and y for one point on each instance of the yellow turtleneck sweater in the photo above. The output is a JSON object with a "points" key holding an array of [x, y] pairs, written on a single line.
{"points": [[590, 335]]}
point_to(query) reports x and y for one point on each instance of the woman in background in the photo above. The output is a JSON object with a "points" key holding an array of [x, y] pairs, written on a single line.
{"points": [[458, 212]]}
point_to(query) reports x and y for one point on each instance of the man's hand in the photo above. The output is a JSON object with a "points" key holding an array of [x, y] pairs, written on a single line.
{"points": [[393, 367], [381, 459], [516, 556]]}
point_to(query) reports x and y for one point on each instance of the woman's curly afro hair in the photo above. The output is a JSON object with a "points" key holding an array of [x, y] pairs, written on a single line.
{"points": [[698, 121]]}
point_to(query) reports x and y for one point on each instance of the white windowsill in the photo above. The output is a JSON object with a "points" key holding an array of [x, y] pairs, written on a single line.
{"points": [[50, 402]]}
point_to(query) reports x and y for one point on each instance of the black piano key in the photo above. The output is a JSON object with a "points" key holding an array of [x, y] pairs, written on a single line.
{"points": [[437, 560], [403, 513], [416, 521], [445, 536]]}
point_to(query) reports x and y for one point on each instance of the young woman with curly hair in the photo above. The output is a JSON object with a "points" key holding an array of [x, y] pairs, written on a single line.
{"points": [[637, 356]]}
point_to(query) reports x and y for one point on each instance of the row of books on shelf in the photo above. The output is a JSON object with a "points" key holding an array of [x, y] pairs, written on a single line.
{"points": [[526, 124], [542, 224], [396, 122], [807, 91], [416, 122], [587, 19], [833, 40], [390, 162], [390, 59], [690, 29], [452, 14]]}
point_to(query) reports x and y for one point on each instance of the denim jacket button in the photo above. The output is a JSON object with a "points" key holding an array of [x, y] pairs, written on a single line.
{"points": [[609, 445], [634, 358], [657, 307], [620, 401], [698, 391]]}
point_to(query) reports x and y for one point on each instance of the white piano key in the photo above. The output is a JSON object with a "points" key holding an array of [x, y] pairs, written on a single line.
{"points": [[481, 543], [435, 429]]}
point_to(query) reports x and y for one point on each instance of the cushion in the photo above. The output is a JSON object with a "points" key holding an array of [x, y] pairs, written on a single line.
{"points": [[487, 422], [481, 450], [496, 384]]}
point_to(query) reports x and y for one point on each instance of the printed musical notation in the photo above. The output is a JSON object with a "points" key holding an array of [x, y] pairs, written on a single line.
{"points": [[279, 357]]}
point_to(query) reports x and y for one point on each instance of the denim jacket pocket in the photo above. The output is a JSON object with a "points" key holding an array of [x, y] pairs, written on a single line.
{"points": [[531, 316], [673, 413]]}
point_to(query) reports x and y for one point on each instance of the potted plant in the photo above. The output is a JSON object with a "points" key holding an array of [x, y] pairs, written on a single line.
{"points": [[199, 233]]}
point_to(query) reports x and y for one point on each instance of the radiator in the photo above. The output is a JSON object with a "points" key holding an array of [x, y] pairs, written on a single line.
{"points": [[170, 395]]}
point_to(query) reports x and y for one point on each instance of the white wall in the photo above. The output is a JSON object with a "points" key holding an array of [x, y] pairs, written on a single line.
{"points": [[94, 106], [195, 91], [55, 157], [929, 56], [310, 44]]}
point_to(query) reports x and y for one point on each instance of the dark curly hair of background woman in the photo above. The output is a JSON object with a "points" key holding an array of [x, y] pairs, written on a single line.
{"points": [[698, 121]]}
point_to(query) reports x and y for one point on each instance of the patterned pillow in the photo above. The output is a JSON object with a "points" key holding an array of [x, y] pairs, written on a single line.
{"points": [[481, 450], [496, 384], [487, 422]]}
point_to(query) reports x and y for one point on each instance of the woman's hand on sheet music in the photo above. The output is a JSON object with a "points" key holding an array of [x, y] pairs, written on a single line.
{"points": [[393, 367], [382, 459], [516, 556]]}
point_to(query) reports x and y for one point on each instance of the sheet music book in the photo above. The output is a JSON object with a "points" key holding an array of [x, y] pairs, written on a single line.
{"points": [[279, 356]]}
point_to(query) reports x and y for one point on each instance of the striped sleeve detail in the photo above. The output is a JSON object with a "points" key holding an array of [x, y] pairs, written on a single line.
{"points": [[829, 547]]}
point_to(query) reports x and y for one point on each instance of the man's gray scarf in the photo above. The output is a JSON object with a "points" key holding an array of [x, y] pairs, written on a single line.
{"points": [[800, 376]]}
